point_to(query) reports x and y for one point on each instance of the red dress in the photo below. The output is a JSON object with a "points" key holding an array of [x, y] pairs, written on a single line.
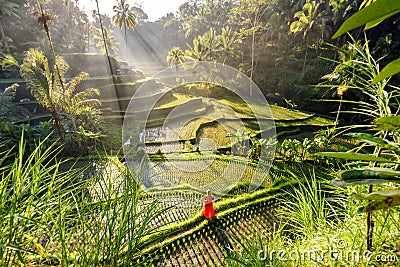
{"points": [[208, 211]]}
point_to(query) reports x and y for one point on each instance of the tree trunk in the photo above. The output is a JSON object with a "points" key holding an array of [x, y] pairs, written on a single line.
{"points": [[46, 28], [58, 127], [109, 60], [78, 137], [252, 54], [126, 38], [252, 62], [305, 57]]}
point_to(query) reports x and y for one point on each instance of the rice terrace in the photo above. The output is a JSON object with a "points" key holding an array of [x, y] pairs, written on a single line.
{"points": [[199, 133]]}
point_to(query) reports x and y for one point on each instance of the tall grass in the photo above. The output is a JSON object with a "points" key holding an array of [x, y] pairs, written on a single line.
{"points": [[311, 205], [54, 217]]}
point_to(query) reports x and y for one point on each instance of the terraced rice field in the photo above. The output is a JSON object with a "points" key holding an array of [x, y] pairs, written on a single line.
{"points": [[207, 246], [201, 243], [214, 173], [181, 204]]}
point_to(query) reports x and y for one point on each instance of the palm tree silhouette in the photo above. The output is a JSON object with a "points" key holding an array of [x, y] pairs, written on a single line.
{"points": [[124, 17], [175, 57]]}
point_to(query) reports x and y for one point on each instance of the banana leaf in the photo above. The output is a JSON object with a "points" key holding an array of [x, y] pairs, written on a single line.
{"points": [[389, 70], [376, 141], [354, 156], [382, 200], [388, 123], [366, 176], [370, 15]]}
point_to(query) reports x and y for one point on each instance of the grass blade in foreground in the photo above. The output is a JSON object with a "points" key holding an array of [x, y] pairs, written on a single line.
{"points": [[54, 217]]}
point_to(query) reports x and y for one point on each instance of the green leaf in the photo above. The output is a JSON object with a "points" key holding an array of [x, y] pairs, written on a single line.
{"points": [[366, 176], [382, 200], [374, 23], [371, 13], [353, 156], [9, 60], [381, 195], [375, 141], [387, 123], [391, 69]]}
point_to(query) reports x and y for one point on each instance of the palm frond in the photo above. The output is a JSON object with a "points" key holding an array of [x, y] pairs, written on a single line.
{"points": [[84, 105], [61, 66], [80, 101], [71, 85]]}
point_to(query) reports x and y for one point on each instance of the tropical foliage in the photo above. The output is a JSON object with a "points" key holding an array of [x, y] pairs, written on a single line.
{"points": [[175, 57], [106, 41], [49, 87], [371, 16]]}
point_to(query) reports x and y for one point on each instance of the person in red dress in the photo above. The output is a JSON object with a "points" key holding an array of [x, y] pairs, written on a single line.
{"points": [[208, 199]]}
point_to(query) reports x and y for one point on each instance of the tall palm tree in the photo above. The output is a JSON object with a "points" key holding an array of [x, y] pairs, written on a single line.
{"points": [[308, 19], [211, 42], [124, 17], [44, 17], [204, 46], [175, 57], [253, 13], [106, 41], [103, 34]]}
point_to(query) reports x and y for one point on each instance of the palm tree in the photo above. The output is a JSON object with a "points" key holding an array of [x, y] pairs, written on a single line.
{"points": [[44, 17], [204, 46], [253, 12], [50, 89], [75, 104], [124, 17], [44, 84], [199, 51], [211, 42], [104, 36], [228, 41], [106, 41], [175, 57], [309, 18]]}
